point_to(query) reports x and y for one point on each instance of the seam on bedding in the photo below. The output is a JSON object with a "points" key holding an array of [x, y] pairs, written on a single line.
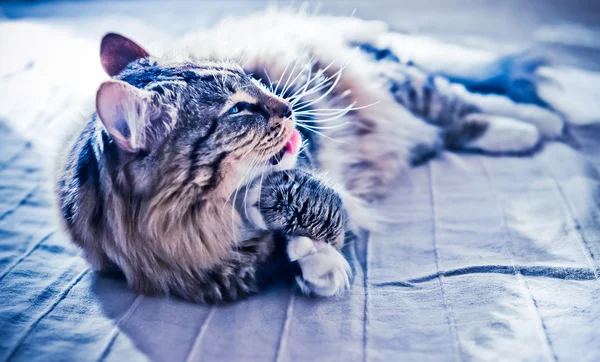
{"points": [[456, 347], [366, 291], [282, 342], [21, 202], [16, 156], [541, 271], [201, 331], [585, 247], [62, 296], [506, 239], [116, 331], [26, 254]]}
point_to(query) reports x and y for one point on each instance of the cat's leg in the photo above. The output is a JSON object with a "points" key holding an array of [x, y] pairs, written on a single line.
{"points": [[312, 217], [549, 123], [489, 123], [479, 70], [492, 134]]}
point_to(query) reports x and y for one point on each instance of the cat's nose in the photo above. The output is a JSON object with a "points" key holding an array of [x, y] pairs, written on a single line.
{"points": [[287, 112], [281, 108]]}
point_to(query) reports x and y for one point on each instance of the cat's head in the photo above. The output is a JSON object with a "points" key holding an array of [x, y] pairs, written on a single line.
{"points": [[198, 125]]}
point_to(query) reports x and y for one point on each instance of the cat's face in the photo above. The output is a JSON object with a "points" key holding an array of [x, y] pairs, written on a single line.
{"points": [[189, 126]]}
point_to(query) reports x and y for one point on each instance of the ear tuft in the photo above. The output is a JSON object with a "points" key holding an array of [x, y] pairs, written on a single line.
{"points": [[117, 51]]}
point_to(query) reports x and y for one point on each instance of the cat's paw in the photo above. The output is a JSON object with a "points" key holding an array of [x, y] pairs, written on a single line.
{"points": [[505, 136], [297, 203], [493, 135], [299, 247], [325, 271]]}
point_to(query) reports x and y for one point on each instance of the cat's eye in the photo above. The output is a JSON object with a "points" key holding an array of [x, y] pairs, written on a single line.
{"points": [[241, 107], [234, 110]]}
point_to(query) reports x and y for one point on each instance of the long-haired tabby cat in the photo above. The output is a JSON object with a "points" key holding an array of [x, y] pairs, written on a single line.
{"points": [[188, 177]]}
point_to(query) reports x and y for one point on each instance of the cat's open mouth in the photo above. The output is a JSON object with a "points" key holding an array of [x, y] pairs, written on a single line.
{"points": [[292, 147]]}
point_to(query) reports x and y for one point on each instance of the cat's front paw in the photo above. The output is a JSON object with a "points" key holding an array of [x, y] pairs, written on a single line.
{"points": [[297, 203], [325, 271]]}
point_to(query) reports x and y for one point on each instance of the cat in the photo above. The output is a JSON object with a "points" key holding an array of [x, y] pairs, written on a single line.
{"points": [[147, 184], [150, 185]]}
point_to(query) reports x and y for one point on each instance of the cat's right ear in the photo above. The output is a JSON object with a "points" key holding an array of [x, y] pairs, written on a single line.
{"points": [[117, 51]]}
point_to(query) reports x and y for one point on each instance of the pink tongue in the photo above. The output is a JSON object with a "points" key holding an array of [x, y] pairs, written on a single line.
{"points": [[293, 144]]}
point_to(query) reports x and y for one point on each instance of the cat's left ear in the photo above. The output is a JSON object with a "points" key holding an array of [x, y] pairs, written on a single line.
{"points": [[117, 51], [134, 121]]}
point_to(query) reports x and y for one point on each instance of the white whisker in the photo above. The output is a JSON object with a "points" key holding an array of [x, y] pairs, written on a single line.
{"points": [[238, 189], [256, 169], [337, 76], [325, 127], [239, 185], [306, 92], [281, 77], [262, 176], [319, 133], [280, 131], [326, 120], [285, 86], [302, 89], [344, 94], [323, 111], [309, 66], [269, 79], [309, 92], [331, 112], [303, 147]]}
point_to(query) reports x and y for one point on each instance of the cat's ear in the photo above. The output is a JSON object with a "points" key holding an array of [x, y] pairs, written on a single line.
{"points": [[126, 113], [116, 51]]}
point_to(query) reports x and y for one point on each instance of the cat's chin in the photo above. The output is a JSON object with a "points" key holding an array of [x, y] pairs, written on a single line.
{"points": [[288, 156], [288, 162]]}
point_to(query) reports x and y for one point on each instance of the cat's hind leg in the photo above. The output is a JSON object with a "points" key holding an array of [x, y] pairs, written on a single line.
{"points": [[492, 134], [549, 123], [481, 71], [475, 122]]}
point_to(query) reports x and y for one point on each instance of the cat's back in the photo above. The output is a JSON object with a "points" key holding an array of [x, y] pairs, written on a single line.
{"points": [[76, 166]]}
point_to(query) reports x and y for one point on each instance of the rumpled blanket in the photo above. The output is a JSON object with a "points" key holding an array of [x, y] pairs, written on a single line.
{"points": [[484, 258]]}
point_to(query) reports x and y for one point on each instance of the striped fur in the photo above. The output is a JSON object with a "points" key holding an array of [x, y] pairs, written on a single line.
{"points": [[157, 203]]}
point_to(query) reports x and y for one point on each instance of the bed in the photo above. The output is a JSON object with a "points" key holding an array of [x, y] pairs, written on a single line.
{"points": [[484, 258]]}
